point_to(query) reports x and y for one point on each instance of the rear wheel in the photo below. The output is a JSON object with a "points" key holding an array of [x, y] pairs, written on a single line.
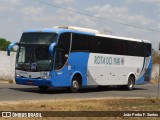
{"points": [[130, 85], [43, 87], [75, 85]]}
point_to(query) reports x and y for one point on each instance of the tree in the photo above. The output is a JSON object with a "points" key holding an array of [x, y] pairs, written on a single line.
{"points": [[4, 44], [156, 57]]}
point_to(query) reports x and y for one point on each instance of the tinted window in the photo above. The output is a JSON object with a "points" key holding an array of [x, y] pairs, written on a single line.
{"points": [[80, 43], [135, 48], [86, 43], [62, 50], [147, 49], [103, 45], [38, 38]]}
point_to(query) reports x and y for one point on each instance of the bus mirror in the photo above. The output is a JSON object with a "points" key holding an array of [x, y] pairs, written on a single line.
{"points": [[52, 48], [10, 47]]}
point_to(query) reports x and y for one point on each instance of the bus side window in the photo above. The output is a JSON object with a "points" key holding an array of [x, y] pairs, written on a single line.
{"points": [[80, 43]]}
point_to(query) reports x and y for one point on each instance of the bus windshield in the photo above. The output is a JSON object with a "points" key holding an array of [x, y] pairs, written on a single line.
{"points": [[33, 52], [33, 58], [38, 38]]}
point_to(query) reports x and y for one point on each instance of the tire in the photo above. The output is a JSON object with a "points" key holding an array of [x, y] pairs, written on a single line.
{"points": [[130, 85], [43, 87], [75, 85]]}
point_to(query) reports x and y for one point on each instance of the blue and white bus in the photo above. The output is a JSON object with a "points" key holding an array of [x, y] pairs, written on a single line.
{"points": [[74, 57]]}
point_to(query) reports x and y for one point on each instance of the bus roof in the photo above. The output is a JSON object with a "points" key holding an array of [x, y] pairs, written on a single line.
{"points": [[78, 29], [123, 38], [62, 29]]}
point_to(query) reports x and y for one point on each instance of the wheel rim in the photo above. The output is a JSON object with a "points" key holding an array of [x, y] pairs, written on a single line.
{"points": [[131, 83], [75, 85]]}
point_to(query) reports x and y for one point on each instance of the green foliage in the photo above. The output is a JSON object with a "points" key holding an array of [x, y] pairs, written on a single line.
{"points": [[4, 44], [156, 57]]}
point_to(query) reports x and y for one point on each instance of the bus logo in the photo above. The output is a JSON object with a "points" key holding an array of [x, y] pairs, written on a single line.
{"points": [[34, 66]]}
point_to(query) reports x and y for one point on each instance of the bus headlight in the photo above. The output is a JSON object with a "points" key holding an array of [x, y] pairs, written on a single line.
{"points": [[45, 77], [17, 75]]}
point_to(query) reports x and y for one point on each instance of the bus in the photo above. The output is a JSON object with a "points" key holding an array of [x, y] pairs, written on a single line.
{"points": [[75, 57]]}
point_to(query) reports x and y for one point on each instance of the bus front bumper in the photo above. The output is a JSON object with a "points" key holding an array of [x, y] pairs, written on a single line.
{"points": [[34, 82]]}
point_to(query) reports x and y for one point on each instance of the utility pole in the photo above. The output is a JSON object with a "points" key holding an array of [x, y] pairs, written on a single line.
{"points": [[159, 76]]}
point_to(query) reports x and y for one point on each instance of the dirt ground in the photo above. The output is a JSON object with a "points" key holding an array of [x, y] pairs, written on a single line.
{"points": [[108, 104]]}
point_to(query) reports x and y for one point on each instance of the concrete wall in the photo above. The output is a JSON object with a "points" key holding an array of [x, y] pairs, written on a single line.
{"points": [[7, 65]]}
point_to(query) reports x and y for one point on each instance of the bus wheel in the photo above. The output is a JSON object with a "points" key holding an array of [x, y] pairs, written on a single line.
{"points": [[43, 87], [75, 85], [130, 85]]}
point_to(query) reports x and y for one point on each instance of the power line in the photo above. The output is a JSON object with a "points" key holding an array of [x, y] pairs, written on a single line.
{"points": [[85, 14]]}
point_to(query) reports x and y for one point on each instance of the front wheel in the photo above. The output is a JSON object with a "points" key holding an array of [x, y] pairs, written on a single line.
{"points": [[75, 85], [43, 87], [130, 85]]}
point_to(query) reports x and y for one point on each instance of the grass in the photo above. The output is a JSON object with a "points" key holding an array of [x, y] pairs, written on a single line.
{"points": [[84, 105], [142, 104]]}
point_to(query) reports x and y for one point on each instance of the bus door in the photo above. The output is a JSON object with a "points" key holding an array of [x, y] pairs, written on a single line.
{"points": [[61, 67]]}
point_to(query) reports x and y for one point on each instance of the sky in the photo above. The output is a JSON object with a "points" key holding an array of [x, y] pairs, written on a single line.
{"points": [[17, 16]]}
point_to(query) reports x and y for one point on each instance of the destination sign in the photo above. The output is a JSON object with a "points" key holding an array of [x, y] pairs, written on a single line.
{"points": [[101, 60]]}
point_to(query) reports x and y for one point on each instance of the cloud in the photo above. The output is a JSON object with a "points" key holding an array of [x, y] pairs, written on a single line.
{"points": [[108, 9], [5, 9], [8, 6], [154, 2], [31, 10], [15, 2], [140, 19], [63, 1], [151, 1], [120, 14], [72, 18]]}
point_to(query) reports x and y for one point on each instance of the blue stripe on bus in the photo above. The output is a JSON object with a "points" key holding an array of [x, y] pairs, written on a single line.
{"points": [[150, 67], [144, 61], [140, 80]]}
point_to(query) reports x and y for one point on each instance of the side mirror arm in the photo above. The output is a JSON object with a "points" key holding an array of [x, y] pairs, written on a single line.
{"points": [[10, 47], [52, 49]]}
